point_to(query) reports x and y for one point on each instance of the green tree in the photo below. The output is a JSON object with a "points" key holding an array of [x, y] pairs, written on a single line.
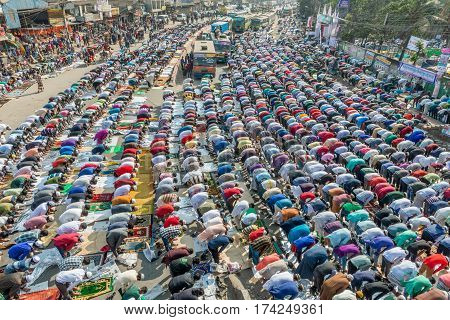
{"points": [[308, 8], [410, 16], [420, 53]]}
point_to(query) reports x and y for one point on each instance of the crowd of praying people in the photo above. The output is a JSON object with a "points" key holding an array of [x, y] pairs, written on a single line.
{"points": [[348, 199], [51, 174], [328, 192]]}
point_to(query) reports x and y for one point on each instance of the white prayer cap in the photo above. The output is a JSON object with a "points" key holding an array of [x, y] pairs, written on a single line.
{"points": [[39, 244]]}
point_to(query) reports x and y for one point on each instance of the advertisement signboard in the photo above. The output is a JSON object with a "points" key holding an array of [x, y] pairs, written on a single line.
{"points": [[412, 44], [381, 63], [418, 72], [344, 3], [55, 17], [369, 57], [324, 19], [443, 61]]}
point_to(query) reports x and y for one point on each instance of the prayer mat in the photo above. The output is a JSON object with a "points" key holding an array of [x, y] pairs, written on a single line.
{"points": [[123, 127], [141, 231], [144, 195], [147, 220], [91, 289], [109, 171], [99, 206], [211, 181], [134, 244], [65, 188], [102, 197], [49, 294], [47, 239], [96, 257], [93, 242], [112, 163], [144, 210], [114, 150]]}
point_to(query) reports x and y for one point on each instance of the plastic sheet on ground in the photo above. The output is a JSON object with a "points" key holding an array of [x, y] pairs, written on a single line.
{"points": [[187, 214], [153, 293], [200, 246], [208, 283], [108, 269], [49, 257], [209, 167], [183, 203], [128, 259]]}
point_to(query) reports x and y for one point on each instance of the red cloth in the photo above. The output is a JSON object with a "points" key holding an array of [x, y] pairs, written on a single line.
{"points": [[164, 210], [157, 140], [130, 150], [230, 192], [267, 260], [59, 162], [171, 221], [383, 192], [66, 241], [307, 195], [447, 194], [156, 150], [89, 165], [419, 173], [123, 182], [376, 181], [187, 138], [405, 131], [49, 294], [256, 234], [436, 262], [123, 169]]}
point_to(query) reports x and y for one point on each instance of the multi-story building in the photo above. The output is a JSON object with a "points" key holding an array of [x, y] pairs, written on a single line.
{"points": [[155, 6]]}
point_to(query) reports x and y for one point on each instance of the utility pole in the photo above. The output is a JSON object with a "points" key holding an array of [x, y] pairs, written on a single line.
{"points": [[383, 32], [62, 4]]}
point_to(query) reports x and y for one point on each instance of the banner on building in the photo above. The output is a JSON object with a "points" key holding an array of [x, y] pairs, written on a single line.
{"points": [[381, 63], [369, 57], [344, 4], [443, 61], [418, 72], [413, 41], [55, 17]]}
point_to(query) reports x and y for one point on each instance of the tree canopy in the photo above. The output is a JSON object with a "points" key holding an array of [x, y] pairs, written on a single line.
{"points": [[384, 20]]}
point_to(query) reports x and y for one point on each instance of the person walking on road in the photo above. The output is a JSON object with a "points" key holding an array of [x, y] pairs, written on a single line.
{"points": [[39, 83]]}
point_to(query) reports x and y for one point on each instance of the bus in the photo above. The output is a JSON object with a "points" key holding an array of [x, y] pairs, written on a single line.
{"points": [[222, 26], [204, 59], [241, 24], [286, 12], [262, 21], [222, 45]]}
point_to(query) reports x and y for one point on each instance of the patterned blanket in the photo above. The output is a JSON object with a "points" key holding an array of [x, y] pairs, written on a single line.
{"points": [[102, 197], [49, 294], [91, 289]]}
